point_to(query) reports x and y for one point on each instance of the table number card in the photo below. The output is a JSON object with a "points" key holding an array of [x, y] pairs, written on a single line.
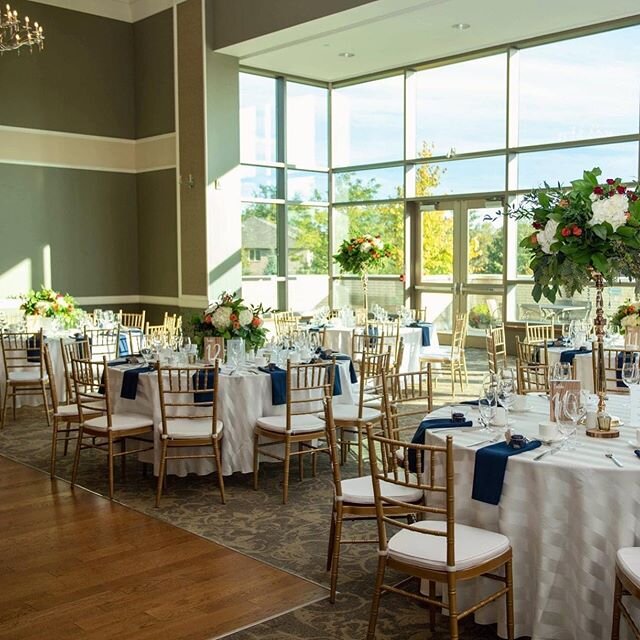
{"points": [[213, 349], [557, 391]]}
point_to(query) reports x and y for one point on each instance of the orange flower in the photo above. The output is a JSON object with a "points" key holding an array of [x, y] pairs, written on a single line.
{"points": [[564, 203], [534, 238], [233, 317], [236, 324]]}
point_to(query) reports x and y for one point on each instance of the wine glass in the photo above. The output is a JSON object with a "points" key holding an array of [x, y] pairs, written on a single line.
{"points": [[506, 391], [630, 373], [487, 406], [573, 407], [561, 371]]}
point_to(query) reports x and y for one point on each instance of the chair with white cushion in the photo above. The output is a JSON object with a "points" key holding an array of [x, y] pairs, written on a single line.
{"points": [[627, 584], [104, 343], [409, 398], [189, 408], [104, 432], [434, 548], [353, 500], [307, 386], [24, 370]]}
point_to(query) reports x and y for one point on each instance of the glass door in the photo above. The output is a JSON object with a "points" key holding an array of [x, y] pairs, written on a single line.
{"points": [[459, 262]]}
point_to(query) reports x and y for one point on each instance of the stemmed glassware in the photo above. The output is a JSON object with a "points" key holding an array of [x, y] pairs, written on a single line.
{"points": [[488, 402], [506, 391], [573, 408], [561, 371]]}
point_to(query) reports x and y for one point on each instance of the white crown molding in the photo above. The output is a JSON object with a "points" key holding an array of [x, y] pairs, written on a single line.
{"points": [[124, 10]]}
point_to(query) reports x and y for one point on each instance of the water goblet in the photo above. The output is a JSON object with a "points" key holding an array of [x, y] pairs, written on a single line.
{"points": [[506, 393], [573, 408], [487, 407]]}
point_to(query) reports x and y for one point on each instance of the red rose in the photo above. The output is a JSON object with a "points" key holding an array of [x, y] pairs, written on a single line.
{"points": [[233, 317], [577, 231], [612, 192], [566, 232], [236, 325], [537, 225], [620, 189], [634, 197], [610, 181], [256, 322], [207, 318], [598, 190]]}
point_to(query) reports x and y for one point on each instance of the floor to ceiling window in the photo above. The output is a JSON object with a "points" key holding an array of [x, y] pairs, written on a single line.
{"points": [[428, 158]]}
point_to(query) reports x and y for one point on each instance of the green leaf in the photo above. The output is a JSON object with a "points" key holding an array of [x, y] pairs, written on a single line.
{"points": [[543, 198], [600, 262], [626, 232], [600, 230], [536, 292]]}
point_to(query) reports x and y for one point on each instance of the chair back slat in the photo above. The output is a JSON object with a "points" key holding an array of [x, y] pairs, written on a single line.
{"points": [[105, 343], [539, 332], [532, 366], [307, 387], [407, 395], [132, 320], [614, 360], [23, 352], [91, 384], [496, 349]]}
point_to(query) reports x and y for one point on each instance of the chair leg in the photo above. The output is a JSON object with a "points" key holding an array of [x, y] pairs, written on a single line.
{"points": [[54, 446], [375, 603], [617, 599], [111, 480], [66, 439], [432, 608], [314, 464], [287, 462], [46, 403], [76, 457], [216, 451], [453, 611], [332, 530], [360, 453], [335, 560], [13, 402], [510, 622], [300, 462], [123, 458], [256, 453], [161, 472], [4, 406]]}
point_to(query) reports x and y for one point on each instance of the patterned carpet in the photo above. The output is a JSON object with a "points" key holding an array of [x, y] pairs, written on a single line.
{"points": [[292, 537]]}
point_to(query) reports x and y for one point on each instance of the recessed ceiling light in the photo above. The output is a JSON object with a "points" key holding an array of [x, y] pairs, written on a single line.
{"points": [[460, 26], [347, 54]]}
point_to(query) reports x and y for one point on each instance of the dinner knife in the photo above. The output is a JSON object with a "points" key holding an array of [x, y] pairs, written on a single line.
{"points": [[544, 453]]}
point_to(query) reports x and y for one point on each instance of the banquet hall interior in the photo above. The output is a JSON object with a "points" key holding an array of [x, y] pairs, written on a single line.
{"points": [[318, 319]]}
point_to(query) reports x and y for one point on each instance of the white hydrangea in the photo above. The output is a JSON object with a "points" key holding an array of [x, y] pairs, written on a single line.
{"points": [[377, 243], [42, 306], [245, 317], [631, 321], [365, 247], [547, 236], [220, 318], [612, 210]]}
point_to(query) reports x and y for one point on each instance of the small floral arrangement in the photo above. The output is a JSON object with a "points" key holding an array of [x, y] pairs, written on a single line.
{"points": [[50, 304], [228, 317], [359, 254], [627, 315], [589, 228]]}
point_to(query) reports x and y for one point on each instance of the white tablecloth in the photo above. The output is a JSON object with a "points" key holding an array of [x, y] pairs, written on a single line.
{"points": [[583, 364], [339, 339], [566, 516], [242, 399]]}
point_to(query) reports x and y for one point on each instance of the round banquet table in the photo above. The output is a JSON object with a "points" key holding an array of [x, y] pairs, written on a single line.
{"points": [[566, 515], [583, 364], [339, 339], [243, 397]]}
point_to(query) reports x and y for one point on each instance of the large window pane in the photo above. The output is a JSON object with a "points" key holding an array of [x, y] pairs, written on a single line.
{"points": [[257, 118], [307, 186], [439, 306], [384, 219], [258, 182], [564, 165], [370, 184], [475, 175], [581, 88], [306, 293], [259, 240], [389, 294], [461, 107], [307, 125], [260, 291], [485, 311], [486, 245], [437, 244], [367, 122], [308, 240]]}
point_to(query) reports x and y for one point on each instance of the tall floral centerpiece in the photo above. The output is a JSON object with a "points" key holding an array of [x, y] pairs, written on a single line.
{"points": [[626, 316], [49, 304], [359, 255], [590, 232], [229, 317]]}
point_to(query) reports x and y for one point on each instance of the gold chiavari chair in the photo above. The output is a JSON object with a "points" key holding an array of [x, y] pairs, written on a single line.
{"points": [[454, 358], [64, 415], [496, 349], [307, 388], [104, 342], [614, 360], [104, 432], [419, 315], [132, 320], [78, 348], [351, 419], [286, 322], [539, 332], [409, 396], [353, 500], [24, 370], [363, 343], [627, 584], [532, 368], [189, 409], [390, 331], [437, 551]]}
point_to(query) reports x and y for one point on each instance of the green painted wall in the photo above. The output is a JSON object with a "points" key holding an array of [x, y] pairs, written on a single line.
{"points": [[154, 91], [88, 218]]}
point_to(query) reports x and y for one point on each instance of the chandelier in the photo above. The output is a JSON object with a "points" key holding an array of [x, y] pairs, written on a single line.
{"points": [[14, 34]]}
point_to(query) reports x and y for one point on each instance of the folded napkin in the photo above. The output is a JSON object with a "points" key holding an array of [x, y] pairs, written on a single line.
{"points": [[471, 403], [432, 423], [129, 387], [123, 345], [278, 384], [328, 355], [568, 355], [33, 349], [491, 464], [426, 332], [203, 379]]}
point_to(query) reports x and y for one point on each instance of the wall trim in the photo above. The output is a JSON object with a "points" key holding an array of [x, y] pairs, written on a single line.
{"points": [[39, 147], [166, 301], [123, 10]]}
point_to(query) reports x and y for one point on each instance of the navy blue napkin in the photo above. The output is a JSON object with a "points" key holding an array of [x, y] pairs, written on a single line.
{"points": [[325, 355], [123, 345], [79, 337], [491, 464], [568, 355], [129, 387], [203, 379], [33, 349], [471, 403], [432, 423], [278, 384], [426, 332]]}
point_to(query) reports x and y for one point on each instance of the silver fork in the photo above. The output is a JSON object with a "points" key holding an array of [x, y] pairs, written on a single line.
{"points": [[477, 444], [615, 460]]}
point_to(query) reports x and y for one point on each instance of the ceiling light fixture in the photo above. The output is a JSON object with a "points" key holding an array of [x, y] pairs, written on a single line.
{"points": [[14, 34], [460, 26], [347, 54]]}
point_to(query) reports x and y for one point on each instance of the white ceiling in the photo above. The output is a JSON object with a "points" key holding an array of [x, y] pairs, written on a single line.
{"points": [[392, 33], [125, 10]]}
